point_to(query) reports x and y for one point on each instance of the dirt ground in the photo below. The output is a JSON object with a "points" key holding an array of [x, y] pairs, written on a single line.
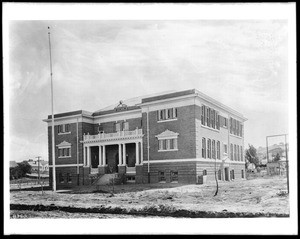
{"points": [[266, 195]]}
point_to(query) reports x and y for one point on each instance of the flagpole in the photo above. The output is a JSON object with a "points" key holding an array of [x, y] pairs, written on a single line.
{"points": [[52, 119]]}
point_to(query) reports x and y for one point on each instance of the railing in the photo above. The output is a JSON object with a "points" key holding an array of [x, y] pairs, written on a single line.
{"points": [[112, 135]]}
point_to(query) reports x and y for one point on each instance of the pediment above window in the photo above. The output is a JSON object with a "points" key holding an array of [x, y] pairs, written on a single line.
{"points": [[167, 134], [64, 144]]}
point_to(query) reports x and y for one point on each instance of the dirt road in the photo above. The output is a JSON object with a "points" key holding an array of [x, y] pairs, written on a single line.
{"points": [[262, 197]]}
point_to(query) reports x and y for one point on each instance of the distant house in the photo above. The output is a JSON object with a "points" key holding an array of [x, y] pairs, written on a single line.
{"points": [[251, 166], [277, 168], [44, 166]]}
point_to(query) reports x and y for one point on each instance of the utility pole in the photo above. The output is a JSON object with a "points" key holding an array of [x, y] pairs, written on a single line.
{"points": [[38, 157], [52, 120]]}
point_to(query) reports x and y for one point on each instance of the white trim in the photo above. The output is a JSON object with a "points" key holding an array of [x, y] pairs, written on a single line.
{"points": [[168, 103], [118, 116], [70, 120], [166, 120], [64, 144], [157, 104], [233, 135], [191, 160], [65, 165], [167, 150], [62, 157], [64, 133], [206, 127], [167, 134]]}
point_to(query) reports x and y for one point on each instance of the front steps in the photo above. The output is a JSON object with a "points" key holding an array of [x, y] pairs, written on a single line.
{"points": [[107, 179]]}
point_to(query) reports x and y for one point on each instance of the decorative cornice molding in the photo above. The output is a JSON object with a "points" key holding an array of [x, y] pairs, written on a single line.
{"points": [[64, 144], [167, 134]]}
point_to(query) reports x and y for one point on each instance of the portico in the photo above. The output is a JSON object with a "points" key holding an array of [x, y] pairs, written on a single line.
{"points": [[117, 152]]}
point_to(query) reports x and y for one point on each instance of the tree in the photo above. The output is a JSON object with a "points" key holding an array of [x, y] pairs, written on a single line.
{"points": [[251, 155], [277, 157], [20, 171]]}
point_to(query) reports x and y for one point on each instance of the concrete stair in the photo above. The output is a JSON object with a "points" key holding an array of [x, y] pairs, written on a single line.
{"points": [[106, 179]]}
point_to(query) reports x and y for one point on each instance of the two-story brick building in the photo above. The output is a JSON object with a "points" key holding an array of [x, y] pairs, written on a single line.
{"points": [[174, 137]]}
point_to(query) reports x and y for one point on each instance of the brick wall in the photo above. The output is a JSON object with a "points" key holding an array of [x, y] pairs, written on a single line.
{"points": [[184, 125]]}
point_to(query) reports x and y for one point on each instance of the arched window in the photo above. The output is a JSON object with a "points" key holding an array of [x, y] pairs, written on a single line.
{"points": [[204, 172]]}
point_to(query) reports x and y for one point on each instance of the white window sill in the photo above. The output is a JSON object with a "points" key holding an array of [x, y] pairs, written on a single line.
{"points": [[239, 137], [64, 133], [206, 127], [167, 150], [166, 120]]}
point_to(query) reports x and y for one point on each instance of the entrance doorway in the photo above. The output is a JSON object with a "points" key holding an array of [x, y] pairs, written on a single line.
{"points": [[112, 158], [226, 174]]}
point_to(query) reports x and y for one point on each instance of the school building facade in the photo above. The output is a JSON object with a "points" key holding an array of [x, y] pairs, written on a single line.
{"points": [[176, 137]]}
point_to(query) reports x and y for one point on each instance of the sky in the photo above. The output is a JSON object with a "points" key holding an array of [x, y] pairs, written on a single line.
{"points": [[96, 63]]}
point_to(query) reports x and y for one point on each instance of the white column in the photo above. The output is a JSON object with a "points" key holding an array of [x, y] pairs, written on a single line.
{"points": [[120, 154], [104, 156], [88, 156], [141, 160], [84, 155], [124, 155], [100, 156], [137, 153]]}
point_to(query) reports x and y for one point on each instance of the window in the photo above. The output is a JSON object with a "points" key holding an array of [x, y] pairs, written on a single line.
{"points": [[100, 129], [64, 152], [231, 152], [208, 148], [174, 176], [234, 153], [64, 128], [126, 126], [167, 114], [219, 174], [212, 118], [161, 177], [203, 115], [225, 148], [218, 150], [60, 178], [213, 149], [241, 131], [218, 121], [204, 172], [167, 144], [118, 127], [242, 159], [236, 127], [238, 153], [225, 122], [69, 179], [167, 141], [242, 173], [208, 117], [203, 148]]}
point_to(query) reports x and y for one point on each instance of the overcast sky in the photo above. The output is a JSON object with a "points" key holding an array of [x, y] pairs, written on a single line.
{"points": [[243, 64]]}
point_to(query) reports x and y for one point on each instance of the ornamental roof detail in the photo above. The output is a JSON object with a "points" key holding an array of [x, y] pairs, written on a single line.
{"points": [[64, 144], [167, 134]]}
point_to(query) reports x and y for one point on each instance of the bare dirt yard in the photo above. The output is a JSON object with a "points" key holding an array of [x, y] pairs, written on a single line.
{"points": [[257, 197]]}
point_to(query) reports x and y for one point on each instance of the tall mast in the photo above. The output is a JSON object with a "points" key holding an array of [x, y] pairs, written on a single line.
{"points": [[52, 119]]}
